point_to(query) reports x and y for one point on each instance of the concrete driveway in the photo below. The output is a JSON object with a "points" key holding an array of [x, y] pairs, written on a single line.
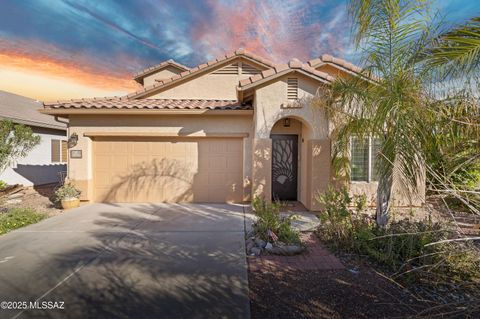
{"points": [[129, 261]]}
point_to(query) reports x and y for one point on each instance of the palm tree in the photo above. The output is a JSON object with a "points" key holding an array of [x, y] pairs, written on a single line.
{"points": [[392, 106], [457, 52], [454, 159]]}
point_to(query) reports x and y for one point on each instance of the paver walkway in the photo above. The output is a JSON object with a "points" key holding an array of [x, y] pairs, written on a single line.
{"points": [[317, 257]]}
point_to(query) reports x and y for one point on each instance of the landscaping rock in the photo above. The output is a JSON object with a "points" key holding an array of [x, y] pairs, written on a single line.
{"points": [[249, 244], [13, 201], [287, 250], [16, 195], [268, 246], [260, 243], [256, 251], [303, 221]]}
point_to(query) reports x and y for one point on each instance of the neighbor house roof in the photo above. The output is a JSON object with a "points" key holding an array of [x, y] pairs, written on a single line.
{"points": [[23, 110], [294, 65], [202, 68], [167, 104], [140, 75]]}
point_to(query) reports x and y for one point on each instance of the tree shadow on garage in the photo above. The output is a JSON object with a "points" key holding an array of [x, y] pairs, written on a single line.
{"points": [[166, 179]]}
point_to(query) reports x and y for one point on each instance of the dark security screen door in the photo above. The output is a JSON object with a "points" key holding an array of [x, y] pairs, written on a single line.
{"points": [[284, 167]]}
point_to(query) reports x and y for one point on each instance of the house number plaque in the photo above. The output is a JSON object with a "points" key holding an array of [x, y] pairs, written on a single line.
{"points": [[75, 153]]}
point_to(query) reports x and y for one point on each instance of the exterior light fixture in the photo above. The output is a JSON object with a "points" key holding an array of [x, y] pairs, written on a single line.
{"points": [[286, 122], [73, 140]]}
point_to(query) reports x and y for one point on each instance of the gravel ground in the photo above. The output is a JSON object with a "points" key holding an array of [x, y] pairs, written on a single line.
{"points": [[39, 198], [329, 294]]}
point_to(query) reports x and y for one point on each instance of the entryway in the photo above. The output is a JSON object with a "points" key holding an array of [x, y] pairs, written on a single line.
{"points": [[284, 167]]}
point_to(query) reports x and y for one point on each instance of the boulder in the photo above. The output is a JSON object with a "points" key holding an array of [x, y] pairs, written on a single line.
{"points": [[256, 251], [249, 244], [268, 246], [260, 243], [287, 250], [16, 195]]}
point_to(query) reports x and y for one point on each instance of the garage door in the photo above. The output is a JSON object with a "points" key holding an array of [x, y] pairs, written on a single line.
{"points": [[168, 169]]}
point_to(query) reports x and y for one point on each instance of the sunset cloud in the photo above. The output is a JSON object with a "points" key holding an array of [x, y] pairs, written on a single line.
{"points": [[86, 48]]}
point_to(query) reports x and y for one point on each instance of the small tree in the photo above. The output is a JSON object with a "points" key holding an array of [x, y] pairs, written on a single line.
{"points": [[16, 140]]}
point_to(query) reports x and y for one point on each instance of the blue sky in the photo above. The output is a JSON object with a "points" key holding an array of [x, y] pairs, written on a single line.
{"points": [[97, 45]]}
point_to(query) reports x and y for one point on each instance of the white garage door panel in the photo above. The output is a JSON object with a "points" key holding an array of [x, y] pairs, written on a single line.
{"points": [[168, 170]]}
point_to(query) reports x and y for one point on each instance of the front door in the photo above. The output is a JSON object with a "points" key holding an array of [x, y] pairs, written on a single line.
{"points": [[284, 166]]}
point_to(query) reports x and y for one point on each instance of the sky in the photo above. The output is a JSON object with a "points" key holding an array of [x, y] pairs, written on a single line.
{"points": [[59, 49]]}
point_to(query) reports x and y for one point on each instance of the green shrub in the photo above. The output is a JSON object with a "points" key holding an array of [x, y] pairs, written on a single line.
{"points": [[17, 218], [3, 185], [269, 219], [67, 191], [401, 248], [336, 219]]}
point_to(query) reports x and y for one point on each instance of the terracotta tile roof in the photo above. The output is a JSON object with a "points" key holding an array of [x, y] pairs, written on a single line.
{"points": [[280, 69], [140, 75], [327, 58], [201, 67], [167, 104]]}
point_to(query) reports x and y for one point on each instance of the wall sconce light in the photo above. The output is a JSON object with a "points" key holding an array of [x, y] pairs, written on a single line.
{"points": [[286, 122], [73, 140]]}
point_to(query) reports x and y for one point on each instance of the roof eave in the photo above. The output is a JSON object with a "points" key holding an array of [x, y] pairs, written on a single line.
{"points": [[101, 111], [35, 123]]}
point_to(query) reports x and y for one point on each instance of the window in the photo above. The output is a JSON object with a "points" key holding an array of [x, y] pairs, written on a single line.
{"points": [[363, 159], [292, 89], [59, 151]]}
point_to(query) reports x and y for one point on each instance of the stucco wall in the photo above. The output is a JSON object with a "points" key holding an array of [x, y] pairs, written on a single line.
{"points": [[37, 167], [268, 107], [166, 73], [207, 85], [81, 170]]}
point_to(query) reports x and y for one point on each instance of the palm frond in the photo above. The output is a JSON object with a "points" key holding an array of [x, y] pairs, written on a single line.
{"points": [[457, 52]]}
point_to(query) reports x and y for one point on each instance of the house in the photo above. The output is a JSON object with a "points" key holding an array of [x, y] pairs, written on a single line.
{"points": [[47, 160], [223, 131]]}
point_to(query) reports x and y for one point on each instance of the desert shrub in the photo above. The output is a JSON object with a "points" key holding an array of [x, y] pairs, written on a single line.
{"points": [[269, 219], [3, 185], [17, 218], [403, 248], [337, 224], [67, 191]]}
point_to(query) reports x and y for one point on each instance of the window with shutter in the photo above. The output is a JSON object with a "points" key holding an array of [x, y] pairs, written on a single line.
{"points": [[64, 151], [59, 151], [55, 151], [292, 89]]}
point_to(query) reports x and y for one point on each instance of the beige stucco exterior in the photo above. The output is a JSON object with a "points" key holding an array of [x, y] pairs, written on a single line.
{"points": [[164, 73], [208, 85], [249, 132], [81, 170]]}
